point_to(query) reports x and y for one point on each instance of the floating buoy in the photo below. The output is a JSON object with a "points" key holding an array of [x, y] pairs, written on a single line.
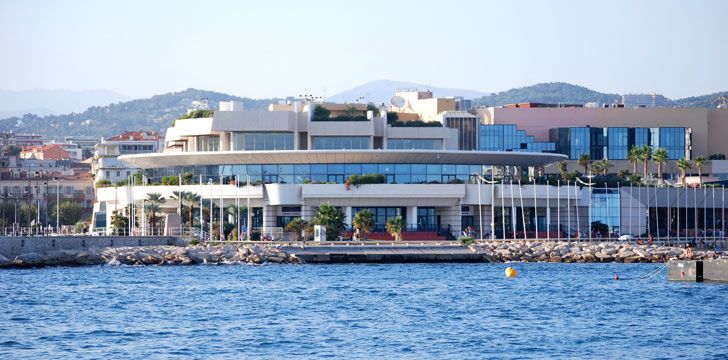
{"points": [[682, 273], [510, 272], [616, 277]]}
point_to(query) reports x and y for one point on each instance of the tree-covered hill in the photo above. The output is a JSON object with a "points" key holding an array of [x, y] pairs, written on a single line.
{"points": [[549, 93], [155, 113], [705, 101]]}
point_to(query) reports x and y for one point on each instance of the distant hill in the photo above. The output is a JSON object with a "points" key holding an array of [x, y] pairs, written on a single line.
{"points": [[380, 91], [550, 93], [50, 102], [155, 113], [704, 101]]}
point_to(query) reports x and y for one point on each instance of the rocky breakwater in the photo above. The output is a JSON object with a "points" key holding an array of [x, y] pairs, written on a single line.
{"points": [[574, 252], [153, 255]]}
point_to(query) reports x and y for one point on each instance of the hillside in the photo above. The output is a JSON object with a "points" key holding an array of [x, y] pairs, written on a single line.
{"points": [[155, 113], [704, 101], [551, 93], [380, 91], [54, 101]]}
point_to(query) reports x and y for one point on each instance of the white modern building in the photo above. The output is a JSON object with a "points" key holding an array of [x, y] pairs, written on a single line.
{"points": [[296, 158]]}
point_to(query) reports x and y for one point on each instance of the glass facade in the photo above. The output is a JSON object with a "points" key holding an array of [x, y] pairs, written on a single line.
{"points": [[673, 140], [467, 130], [262, 141], [414, 144], [382, 214], [614, 142], [208, 143], [337, 173], [426, 219], [509, 138], [340, 142], [606, 208]]}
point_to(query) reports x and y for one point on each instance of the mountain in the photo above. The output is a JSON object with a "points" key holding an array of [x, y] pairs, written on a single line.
{"points": [[50, 102], [380, 91], [155, 113], [704, 101], [550, 93]]}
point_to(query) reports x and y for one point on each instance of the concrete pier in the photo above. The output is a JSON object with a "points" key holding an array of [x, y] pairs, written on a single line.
{"points": [[11, 246], [383, 254], [715, 270]]}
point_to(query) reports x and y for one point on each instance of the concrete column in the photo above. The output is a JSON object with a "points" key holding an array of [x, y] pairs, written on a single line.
{"points": [[349, 218], [307, 212], [412, 217], [514, 217], [269, 216]]}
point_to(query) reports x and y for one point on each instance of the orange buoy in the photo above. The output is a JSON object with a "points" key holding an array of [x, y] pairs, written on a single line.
{"points": [[510, 272], [616, 277]]}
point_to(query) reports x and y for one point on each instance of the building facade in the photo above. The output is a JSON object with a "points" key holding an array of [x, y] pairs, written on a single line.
{"points": [[106, 165]]}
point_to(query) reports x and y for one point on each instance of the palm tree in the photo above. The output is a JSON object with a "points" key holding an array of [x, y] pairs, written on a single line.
{"points": [[623, 173], [152, 205], [597, 167], [179, 196], [645, 154], [192, 199], [603, 165], [584, 162], [699, 162], [395, 226], [364, 221], [564, 168], [235, 210], [331, 217], [297, 225], [684, 165], [634, 157], [660, 156]]}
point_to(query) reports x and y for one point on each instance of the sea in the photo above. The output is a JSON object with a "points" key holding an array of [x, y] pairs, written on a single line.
{"points": [[360, 311]]}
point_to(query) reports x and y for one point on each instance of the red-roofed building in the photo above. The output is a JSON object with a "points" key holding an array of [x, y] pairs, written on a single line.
{"points": [[45, 152]]}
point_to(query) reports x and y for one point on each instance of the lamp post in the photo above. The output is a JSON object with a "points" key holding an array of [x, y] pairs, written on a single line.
{"points": [[58, 204], [247, 211], [480, 203], [209, 182]]}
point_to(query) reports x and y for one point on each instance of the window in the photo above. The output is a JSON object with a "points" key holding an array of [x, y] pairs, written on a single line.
{"points": [[118, 173], [673, 140], [382, 214], [579, 141], [208, 143], [69, 190], [89, 190], [606, 207], [108, 174], [262, 141], [618, 139], [128, 173], [426, 219], [340, 143], [414, 144]]}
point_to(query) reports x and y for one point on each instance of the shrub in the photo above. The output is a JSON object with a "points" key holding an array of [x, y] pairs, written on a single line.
{"points": [[416, 123], [103, 183], [357, 180], [198, 114], [466, 240]]}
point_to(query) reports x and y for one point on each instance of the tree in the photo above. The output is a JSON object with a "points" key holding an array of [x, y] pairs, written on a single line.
{"points": [[699, 162], [297, 226], [188, 178], [364, 221], [331, 217], [152, 205], [623, 173], [233, 211], [350, 110], [563, 168], [605, 165], [597, 167], [119, 222], [634, 157], [14, 150], [71, 212], [321, 113], [392, 117], [87, 153], [395, 226], [684, 165], [660, 156], [645, 154], [191, 199], [373, 108], [584, 162]]}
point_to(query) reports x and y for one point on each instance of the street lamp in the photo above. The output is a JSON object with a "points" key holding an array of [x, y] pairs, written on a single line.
{"points": [[58, 204]]}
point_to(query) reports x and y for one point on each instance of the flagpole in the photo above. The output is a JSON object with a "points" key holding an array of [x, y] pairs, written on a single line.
{"points": [[513, 214], [578, 221]]}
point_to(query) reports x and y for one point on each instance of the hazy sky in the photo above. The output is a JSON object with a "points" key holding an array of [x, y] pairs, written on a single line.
{"points": [[279, 48]]}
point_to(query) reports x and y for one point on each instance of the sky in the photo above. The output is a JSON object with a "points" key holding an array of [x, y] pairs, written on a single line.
{"points": [[282, 48]]}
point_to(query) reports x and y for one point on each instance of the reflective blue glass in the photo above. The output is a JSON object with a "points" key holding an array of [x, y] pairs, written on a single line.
{"points": [[335, 168], [285, 169], [255, 170], [319, 169], [386, 168], [402, 169], [369, 168], [419, 169], [270, 169], [434, 169]]}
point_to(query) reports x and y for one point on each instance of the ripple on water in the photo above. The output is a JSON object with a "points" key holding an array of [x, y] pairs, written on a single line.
{"points": [[359, 311]]}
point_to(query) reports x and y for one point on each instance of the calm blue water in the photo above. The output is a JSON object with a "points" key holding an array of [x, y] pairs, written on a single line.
{"points": [[423, 311]]}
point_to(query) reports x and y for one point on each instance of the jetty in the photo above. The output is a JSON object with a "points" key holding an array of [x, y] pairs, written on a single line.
{"points": [[711, 270]]}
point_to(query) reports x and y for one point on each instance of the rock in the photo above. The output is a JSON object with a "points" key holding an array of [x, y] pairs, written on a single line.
{"points": [[5, 262], [29, 260]]}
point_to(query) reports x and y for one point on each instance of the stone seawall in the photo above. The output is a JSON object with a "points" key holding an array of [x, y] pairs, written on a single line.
{"points": [[11, 246], [492, 252]]}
